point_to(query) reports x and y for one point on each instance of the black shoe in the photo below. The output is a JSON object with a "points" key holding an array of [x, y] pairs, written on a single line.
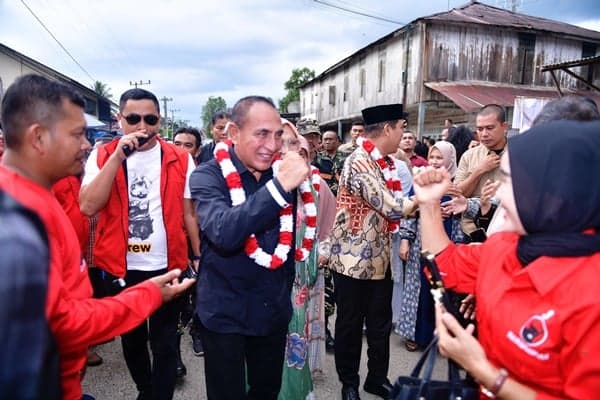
{"points": [[181, 370], [350, 393], [197, 346], [383, 390], [329, 344]]}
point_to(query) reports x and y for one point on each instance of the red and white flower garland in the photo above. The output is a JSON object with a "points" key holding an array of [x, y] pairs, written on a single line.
{"points": [[251, 247], [386, 164]]}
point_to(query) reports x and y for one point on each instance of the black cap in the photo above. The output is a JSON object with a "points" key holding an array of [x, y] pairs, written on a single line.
{"points": [[383, 113]]}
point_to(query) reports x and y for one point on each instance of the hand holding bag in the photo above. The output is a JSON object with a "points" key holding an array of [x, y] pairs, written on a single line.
{"points": [[414, 387]]}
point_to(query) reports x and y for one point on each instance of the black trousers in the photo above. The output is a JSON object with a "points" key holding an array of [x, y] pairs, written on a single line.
{"points": [[155, 379], [357, 301], [230, 358]]}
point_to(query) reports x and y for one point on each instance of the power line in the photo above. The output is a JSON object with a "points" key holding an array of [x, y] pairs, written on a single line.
{"points": [[358, 12], [58, 41], [334, 11]]}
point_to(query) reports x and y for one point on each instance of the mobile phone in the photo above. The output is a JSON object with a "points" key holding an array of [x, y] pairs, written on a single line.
{"points": [[141, 141]]}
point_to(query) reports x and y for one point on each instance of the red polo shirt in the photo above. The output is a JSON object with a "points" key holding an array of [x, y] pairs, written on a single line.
{"points": [[541, 323], [76, 320]]}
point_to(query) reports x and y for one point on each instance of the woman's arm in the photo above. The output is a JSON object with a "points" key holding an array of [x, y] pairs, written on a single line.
{"points": [[460, 345]]}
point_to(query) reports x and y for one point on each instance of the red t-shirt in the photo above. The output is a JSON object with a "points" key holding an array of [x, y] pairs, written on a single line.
{"points": [[541, 323], [76, 320]]}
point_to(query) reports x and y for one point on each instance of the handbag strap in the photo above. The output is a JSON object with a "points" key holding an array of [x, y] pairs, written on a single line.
{"points": [[431, 356], [417, 369]]}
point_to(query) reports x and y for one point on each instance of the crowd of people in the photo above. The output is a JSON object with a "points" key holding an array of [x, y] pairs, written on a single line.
{"points": [[255, 241]]}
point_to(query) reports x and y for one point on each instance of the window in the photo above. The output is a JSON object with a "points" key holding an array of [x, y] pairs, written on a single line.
{"points": [[332, 95], [525, 58], [90, 106], [362, 81], [381, 75], [587, 71], [345, 95]]}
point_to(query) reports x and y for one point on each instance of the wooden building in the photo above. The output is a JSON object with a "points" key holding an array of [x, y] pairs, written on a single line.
{"points": [[14, 64], [449, 64]]}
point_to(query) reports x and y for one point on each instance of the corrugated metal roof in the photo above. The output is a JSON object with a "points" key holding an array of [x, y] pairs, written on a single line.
{"points": [[470, 96], [478, 13]]}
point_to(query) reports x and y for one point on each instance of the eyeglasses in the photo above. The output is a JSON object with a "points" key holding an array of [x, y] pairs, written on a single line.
{"points": [[133, 119]]}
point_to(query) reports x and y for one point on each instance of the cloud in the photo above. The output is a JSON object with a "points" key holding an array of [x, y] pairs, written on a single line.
{"points": [[191, 50]]}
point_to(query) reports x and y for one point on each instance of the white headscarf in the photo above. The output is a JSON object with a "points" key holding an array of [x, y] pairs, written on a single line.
{"points": [[449, 153]]}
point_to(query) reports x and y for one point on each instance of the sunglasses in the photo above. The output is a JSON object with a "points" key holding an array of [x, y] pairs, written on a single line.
{"points": [[133, 119]]}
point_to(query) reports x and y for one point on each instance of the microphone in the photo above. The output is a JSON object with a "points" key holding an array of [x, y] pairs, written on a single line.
{"points": [[128, 150]]}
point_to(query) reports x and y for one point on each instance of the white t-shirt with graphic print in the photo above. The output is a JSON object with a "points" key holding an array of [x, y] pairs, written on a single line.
{"points": [[147, 244]]}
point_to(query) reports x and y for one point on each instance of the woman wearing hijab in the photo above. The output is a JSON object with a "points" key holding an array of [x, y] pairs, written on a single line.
{"points": [[416, 321], [306, 332], [538, 312]]}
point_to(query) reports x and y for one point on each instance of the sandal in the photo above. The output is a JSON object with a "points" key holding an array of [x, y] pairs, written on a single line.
{"points": [[411, 345]]}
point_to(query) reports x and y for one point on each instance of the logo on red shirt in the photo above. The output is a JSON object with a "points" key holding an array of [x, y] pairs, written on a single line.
{"points": [[535, 331]]}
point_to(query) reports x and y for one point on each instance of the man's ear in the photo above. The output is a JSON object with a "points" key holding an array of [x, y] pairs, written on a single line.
{"points": [[387, 129], [37, 138], [234, 132]]}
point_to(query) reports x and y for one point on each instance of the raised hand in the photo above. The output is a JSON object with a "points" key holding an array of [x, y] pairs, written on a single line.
{"points": [[490, 162], [487, 192], [293, 170], [430, 185]]}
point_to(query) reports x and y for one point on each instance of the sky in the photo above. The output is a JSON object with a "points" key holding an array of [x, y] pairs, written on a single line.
{"points": [[190, 50]]}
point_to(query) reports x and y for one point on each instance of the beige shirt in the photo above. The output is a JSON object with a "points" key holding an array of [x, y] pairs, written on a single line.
{"points": [[469, 161], [360, 240]]}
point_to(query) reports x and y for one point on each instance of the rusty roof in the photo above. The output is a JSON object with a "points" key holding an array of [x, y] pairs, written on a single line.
{"points": [[475, 13], [470, 96], [484, 14]]}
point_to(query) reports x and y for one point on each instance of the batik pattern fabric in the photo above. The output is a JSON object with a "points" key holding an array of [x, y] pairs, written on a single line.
{"points": [[360, 239], [306, 331]]}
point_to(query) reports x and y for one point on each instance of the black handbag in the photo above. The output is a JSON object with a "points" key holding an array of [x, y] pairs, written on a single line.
{"points": [[414, 387]]}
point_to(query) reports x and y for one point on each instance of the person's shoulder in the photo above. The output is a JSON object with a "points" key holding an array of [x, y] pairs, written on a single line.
{"points": [[207, 168], [469, 155]]}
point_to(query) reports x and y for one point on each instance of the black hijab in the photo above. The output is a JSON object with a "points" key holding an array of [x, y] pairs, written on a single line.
{"points": [[555, 169]]}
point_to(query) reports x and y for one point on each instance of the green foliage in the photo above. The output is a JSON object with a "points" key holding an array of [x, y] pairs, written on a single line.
{"points": [[213, 104], [299, 77], [102, 89]]}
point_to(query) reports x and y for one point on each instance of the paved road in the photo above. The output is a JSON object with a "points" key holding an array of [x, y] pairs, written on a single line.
{"points": [[111, 380]]}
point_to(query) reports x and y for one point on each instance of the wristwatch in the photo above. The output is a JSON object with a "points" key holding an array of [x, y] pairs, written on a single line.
{"points": [[195, 258]]}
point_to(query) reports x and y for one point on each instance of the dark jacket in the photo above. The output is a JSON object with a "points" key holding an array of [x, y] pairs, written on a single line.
{"points": [[236, 295]]}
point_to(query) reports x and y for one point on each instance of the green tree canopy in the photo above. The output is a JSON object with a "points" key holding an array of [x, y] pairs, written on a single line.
{"points": [[213, 104], [299, 77], [102, 89]]}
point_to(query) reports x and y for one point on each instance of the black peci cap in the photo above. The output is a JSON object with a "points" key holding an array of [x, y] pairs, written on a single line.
{"points": [[383, 113]]}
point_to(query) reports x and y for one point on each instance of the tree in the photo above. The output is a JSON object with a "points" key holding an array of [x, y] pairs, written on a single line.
{"points": [[213, 104], [102, 89], [299, 77]]}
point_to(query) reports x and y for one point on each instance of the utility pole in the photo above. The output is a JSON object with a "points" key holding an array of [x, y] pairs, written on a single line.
{"points": [[140, 83], [164, 100], [173, 121]]}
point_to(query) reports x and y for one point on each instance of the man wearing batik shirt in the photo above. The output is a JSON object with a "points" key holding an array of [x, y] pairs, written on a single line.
{"points": [[367, 212]]}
